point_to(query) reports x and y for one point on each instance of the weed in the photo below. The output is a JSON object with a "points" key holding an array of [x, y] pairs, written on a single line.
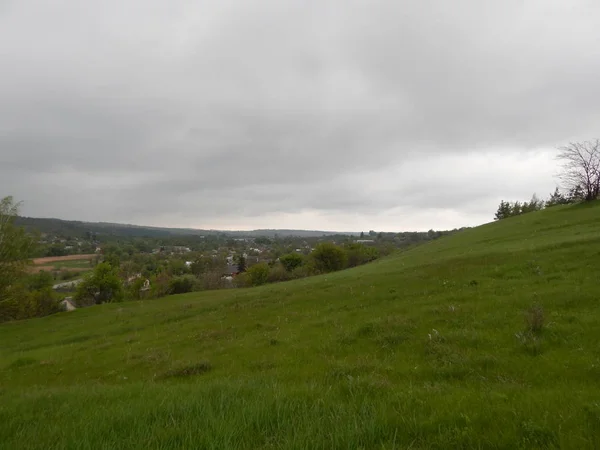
{"points": [[534, 319], [187, 371]]}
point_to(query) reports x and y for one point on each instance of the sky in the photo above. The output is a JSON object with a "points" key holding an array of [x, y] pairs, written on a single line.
{"points": [[338, 115]]}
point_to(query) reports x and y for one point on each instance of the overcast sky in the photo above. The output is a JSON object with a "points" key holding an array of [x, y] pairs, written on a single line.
{"points": [[314, 114]]}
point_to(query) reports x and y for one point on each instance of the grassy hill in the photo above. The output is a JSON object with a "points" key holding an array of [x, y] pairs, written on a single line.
{"points": [[429, 348]]}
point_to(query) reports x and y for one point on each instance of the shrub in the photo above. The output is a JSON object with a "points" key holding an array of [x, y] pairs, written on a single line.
{"points": [[291, 261], [134, 290], [43, 303], [258, 274], [278, 273], [102, 286], [39, 281], [531, 338], [211, 280], [65, 275], [305, 270], [241, 281], [160, 284], [534, 319], [183, 284], [328, 257], [359, 254]]}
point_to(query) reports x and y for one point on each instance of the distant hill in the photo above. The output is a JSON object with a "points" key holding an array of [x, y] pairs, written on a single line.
{"points": [[79, 229]]}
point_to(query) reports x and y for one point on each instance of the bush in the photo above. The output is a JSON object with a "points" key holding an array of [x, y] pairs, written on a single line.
{"points": [[43, 303], [40, 280], [241, 281], [291, 261], [102, 286], [25, 304], [134, 290], [359, 254], [183, 284], [329, 257], [212, 280], [534, 319], [305, 270], [258, 274], [279, 273], [65, 275]]}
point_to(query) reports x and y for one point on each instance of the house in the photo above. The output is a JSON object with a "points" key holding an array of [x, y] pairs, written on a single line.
{"points": [[231, 270], [68, 304]]}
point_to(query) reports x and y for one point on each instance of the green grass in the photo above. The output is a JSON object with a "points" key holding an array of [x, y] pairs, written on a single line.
{"points": [[73, 264], [426, 349]]}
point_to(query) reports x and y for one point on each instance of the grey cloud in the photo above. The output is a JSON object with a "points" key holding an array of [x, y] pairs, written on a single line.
{"points": [[242, 109]]}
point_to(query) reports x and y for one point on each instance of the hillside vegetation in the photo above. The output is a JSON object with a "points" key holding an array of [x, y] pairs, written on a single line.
{"points": [[489, 338]]}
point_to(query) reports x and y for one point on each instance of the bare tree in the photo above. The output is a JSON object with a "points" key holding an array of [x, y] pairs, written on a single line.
{"points": [[581, 167]]}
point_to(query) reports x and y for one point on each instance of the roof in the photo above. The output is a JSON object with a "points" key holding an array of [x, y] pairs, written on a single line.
{"points": [[231, 268]]}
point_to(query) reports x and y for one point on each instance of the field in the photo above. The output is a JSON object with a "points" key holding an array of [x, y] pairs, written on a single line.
{"points": [[489, 338], [72, 263]]}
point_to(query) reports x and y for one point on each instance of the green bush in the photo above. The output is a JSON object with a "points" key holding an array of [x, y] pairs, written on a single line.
{"points": [[134, 290], [102, 286], [258, 274], [183, 284], [160, 284], [305, 270], [39, 281], [328, 257], [278, 273], [359, 254], [291, 261]]}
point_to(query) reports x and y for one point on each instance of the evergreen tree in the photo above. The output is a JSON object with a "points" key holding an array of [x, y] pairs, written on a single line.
{"points": [[556, 198], [576, 194], [241, 264], [516, 209], [504, 211]]}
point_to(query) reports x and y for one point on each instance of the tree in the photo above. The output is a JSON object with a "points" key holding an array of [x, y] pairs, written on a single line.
{"points": [[504, 211], [258, 274], [516, 209], [575, 194], [581, 167], [329, 257], [556, 198], [183, 284], [358, 254], [103, 286], [15, 248], [291, 261], [535, 204], [241, 267]]}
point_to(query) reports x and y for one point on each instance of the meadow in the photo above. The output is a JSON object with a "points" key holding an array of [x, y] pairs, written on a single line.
{"points": [[489, 338]]}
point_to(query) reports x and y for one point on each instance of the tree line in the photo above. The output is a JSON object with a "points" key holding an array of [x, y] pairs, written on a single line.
{"points": [[580, 177]]}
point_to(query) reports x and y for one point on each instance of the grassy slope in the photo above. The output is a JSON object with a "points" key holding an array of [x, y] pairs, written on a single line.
{"points": [[338, 361]]}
